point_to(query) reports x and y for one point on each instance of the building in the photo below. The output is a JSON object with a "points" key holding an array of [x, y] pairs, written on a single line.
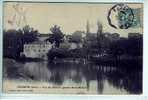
{"points": [[134, 35], [75, 45], [115, 36], [70, 45], [112, 36], [43, 37], [38, 49]]}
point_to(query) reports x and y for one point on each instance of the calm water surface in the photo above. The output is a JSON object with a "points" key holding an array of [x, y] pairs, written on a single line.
{"points": [[97, 78]]}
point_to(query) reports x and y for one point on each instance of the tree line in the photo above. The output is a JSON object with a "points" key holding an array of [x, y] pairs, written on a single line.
{"points": [[93, 44]]}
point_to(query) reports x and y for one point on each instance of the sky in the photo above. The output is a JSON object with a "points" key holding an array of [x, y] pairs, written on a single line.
{"points": [[70, 17]]}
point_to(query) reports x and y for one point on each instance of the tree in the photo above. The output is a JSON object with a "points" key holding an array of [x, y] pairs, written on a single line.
{"points": [[76, 37], [99, 36], [57, 37], [14, 40], [118, 48], [29, 34], [12, 43]]}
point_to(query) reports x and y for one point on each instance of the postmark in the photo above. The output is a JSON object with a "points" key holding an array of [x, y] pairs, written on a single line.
{"points": [[120, 16]]}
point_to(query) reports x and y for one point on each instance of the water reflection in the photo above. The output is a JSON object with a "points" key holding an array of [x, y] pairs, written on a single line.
{"points": [[94, 77], [37, 71]]}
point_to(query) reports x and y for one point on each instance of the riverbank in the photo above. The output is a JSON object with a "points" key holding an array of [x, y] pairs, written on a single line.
{"points": [[126, 62]]}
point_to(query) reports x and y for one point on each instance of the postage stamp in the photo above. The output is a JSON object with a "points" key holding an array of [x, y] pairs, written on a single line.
{"points": [[125, 16]]}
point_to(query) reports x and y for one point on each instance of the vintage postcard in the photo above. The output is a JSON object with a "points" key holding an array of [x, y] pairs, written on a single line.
{"points": [[73, 48]]}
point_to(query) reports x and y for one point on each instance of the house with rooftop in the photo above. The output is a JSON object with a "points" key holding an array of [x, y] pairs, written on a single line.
{"points": [[38, 49]]}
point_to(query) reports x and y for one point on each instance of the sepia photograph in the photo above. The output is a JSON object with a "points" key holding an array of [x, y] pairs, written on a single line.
{"points": [[73, 48]]}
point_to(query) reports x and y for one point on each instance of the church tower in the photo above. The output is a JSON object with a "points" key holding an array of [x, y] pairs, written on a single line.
{"points": [[87, 27]]}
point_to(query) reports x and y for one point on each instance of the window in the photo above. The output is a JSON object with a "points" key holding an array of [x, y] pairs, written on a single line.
{"points": [[44, 50]]}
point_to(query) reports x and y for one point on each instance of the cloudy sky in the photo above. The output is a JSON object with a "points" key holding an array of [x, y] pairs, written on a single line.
{"points": [[70, 17]]}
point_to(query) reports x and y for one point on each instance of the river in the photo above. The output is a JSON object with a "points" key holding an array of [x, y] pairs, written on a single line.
{"points": [[96, 78]]}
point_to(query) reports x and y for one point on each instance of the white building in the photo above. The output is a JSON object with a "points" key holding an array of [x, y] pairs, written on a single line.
{"points": [[75, 45], [38, 49]]}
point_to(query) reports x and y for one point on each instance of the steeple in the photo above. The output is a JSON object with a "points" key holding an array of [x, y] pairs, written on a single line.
{"points": [[99, 25], [87, 27]]}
